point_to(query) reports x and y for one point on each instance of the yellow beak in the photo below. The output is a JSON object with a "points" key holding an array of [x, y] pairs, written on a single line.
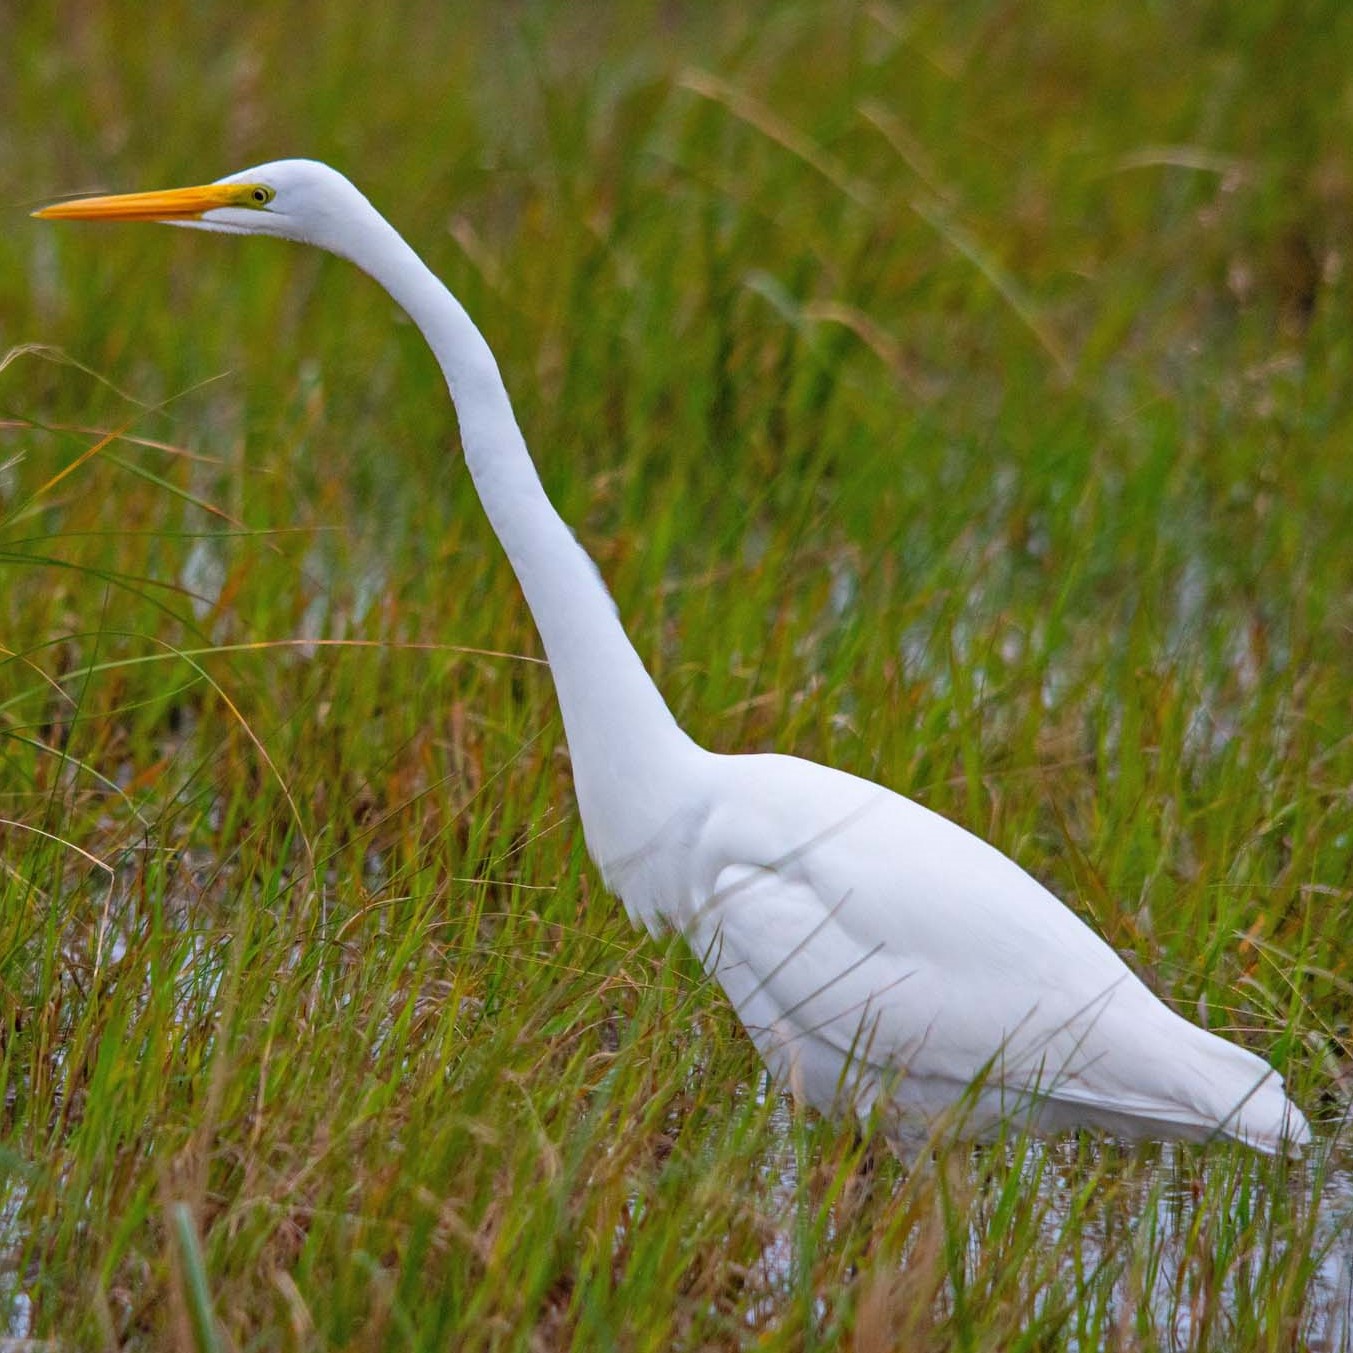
{"points": [[171, 204]]}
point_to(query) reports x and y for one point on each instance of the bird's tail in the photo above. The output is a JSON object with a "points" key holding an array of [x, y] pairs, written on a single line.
{"points": [[1267, 1120], [1239, 1092]]}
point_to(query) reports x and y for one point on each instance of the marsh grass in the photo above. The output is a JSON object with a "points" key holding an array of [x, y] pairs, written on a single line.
{"points": [[955, 394]]}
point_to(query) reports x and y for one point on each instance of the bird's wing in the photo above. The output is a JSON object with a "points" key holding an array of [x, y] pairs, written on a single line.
{"points": [[852, 926]]}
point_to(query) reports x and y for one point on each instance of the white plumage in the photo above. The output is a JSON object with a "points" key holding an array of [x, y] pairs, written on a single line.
{"points": [[882, 958], [879, 955]]}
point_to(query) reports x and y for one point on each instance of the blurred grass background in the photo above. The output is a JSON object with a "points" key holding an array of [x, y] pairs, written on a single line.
{"points": [[956, 393]]}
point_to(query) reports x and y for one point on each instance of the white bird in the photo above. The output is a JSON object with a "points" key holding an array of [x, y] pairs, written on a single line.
{"points": [[883, 960]]}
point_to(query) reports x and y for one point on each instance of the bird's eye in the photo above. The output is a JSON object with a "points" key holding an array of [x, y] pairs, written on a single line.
{"points": [[261, 196]]}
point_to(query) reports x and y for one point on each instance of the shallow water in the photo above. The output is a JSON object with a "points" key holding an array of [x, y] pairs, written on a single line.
{"points": [[15, 1305], [1161, 1203], [1331, 1323]]}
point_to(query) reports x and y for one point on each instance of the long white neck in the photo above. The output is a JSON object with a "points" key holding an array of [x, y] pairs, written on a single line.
{"points": [[628, 752]]}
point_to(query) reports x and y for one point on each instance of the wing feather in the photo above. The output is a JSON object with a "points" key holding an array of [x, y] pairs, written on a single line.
{"points": [[873, 948]]}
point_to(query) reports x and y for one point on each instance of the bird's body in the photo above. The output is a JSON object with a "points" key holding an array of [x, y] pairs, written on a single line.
{"points": [[883, 959]]}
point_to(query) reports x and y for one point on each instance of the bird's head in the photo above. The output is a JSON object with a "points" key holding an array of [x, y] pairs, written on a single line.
{"points": [[299, 200]]}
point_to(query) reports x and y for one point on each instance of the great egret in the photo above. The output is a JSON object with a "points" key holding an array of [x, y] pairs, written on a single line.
{"points": [[881, 958]]}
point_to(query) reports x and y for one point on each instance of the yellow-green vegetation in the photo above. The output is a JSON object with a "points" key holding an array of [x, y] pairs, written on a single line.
{"points": [[955, 393]]}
